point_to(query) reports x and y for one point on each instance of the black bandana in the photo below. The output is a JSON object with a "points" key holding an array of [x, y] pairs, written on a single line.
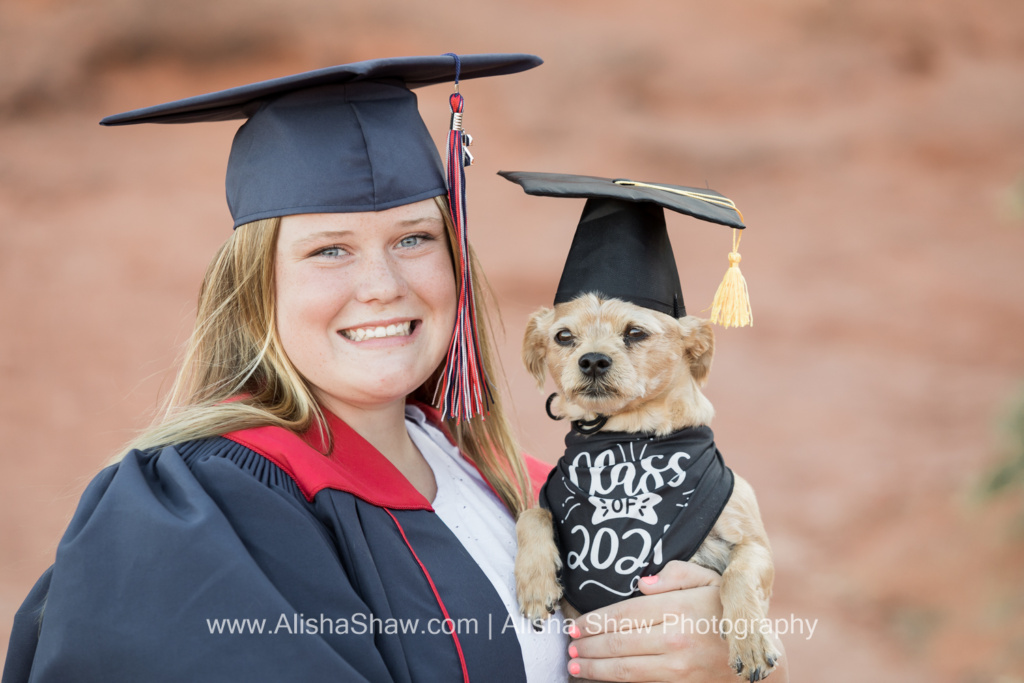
{"points": [[626, 504]]}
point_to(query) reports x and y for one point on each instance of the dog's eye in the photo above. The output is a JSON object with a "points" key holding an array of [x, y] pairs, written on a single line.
{"points": [[564, 337], [635, 334]]}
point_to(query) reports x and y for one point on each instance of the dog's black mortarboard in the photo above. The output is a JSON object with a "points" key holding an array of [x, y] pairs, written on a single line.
{"points": [[347, 139], [621, 248]]}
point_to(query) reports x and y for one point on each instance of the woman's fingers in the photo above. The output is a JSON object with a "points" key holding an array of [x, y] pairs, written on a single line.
{"points": [[645, 611], [677, 575], [680, 589], [654, 636], [644, 640], [635, 669], [668, 633], [669, 655]]}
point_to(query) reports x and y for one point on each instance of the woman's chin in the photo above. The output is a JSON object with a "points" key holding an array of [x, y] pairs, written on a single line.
{"points": [[387, 389]]}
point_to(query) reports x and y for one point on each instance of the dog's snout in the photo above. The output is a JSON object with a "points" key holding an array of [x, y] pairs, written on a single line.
{"points": [[594, 364]]}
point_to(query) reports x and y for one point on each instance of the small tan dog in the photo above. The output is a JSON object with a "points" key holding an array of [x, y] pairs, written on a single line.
{"points": [[642, 370]]}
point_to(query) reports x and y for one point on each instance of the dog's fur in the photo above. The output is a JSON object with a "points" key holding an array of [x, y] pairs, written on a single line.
{"points": [[658, 365]]}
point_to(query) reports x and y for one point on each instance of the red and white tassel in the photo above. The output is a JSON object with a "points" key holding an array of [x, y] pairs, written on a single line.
{"points": [[463, 390]]}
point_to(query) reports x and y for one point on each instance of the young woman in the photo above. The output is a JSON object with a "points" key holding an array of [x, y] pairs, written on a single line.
{"points": [[300, 511]]}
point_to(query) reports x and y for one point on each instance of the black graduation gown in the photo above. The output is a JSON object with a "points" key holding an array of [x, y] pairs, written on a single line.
{"points": [[252, 557]]}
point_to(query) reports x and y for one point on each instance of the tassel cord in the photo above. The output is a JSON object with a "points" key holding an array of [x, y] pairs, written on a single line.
{"points": [[463, 390]]}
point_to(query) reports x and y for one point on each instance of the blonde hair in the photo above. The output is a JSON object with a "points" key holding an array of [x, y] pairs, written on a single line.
{"points": [[235, 374]]}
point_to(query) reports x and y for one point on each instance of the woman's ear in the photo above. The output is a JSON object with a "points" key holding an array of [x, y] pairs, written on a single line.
{"points": [[535, 342], [698, 339]]}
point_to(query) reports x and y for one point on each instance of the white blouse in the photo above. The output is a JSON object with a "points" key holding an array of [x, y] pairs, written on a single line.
{"points": [[478, 518]]}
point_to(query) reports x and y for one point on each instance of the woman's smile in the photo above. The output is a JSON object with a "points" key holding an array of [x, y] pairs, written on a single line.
{"points": [[398, 330]]}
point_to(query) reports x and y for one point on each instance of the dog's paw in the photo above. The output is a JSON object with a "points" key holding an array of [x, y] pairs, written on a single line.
{"points": [[538, 599], [752, 657], [537, 565]]}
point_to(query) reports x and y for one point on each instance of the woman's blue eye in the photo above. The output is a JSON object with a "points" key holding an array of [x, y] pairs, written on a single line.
{"points": [[330, 251], [411, 241]]}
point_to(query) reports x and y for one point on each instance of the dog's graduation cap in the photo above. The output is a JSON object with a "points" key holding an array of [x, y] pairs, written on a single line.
{"points": [[621, 247], [346, 139]]}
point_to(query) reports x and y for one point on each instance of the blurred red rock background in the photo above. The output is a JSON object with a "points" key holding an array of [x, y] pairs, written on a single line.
{"points": [[875, 148]]}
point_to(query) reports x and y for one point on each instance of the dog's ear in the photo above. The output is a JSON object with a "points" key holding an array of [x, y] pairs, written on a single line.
{"points": [[698, 339], [535, 341]]}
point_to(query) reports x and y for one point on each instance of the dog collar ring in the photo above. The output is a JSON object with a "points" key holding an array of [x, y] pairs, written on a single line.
{"points": [[547, 408], [588, 427]]}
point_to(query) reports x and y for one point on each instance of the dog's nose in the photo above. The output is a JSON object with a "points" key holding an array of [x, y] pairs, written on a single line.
{"points": [[594, 364]]}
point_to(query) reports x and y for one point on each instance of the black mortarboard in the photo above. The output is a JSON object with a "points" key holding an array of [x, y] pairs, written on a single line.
{"points": [[343, 139], [621, 248]]}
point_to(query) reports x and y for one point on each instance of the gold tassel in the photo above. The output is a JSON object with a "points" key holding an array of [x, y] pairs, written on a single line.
{"points": [[731, 306]]}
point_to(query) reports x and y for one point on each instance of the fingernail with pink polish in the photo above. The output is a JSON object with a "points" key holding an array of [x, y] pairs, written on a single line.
{"points": [[574, 631], [650, 580], [573, 652], [574, 668]]}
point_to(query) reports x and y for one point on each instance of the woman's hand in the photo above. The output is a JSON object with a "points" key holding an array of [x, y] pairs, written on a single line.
{"points": [[656, 636]]}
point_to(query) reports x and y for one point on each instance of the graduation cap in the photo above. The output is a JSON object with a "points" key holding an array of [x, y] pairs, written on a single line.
{"points": [[621, 248], [343, 139], [350, 138]]}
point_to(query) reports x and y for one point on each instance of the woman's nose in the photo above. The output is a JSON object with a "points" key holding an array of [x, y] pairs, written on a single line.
{"points": [[380, 279]]}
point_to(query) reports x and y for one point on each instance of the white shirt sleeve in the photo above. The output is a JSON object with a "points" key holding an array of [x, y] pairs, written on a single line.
{"points": [[478, 518]]}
